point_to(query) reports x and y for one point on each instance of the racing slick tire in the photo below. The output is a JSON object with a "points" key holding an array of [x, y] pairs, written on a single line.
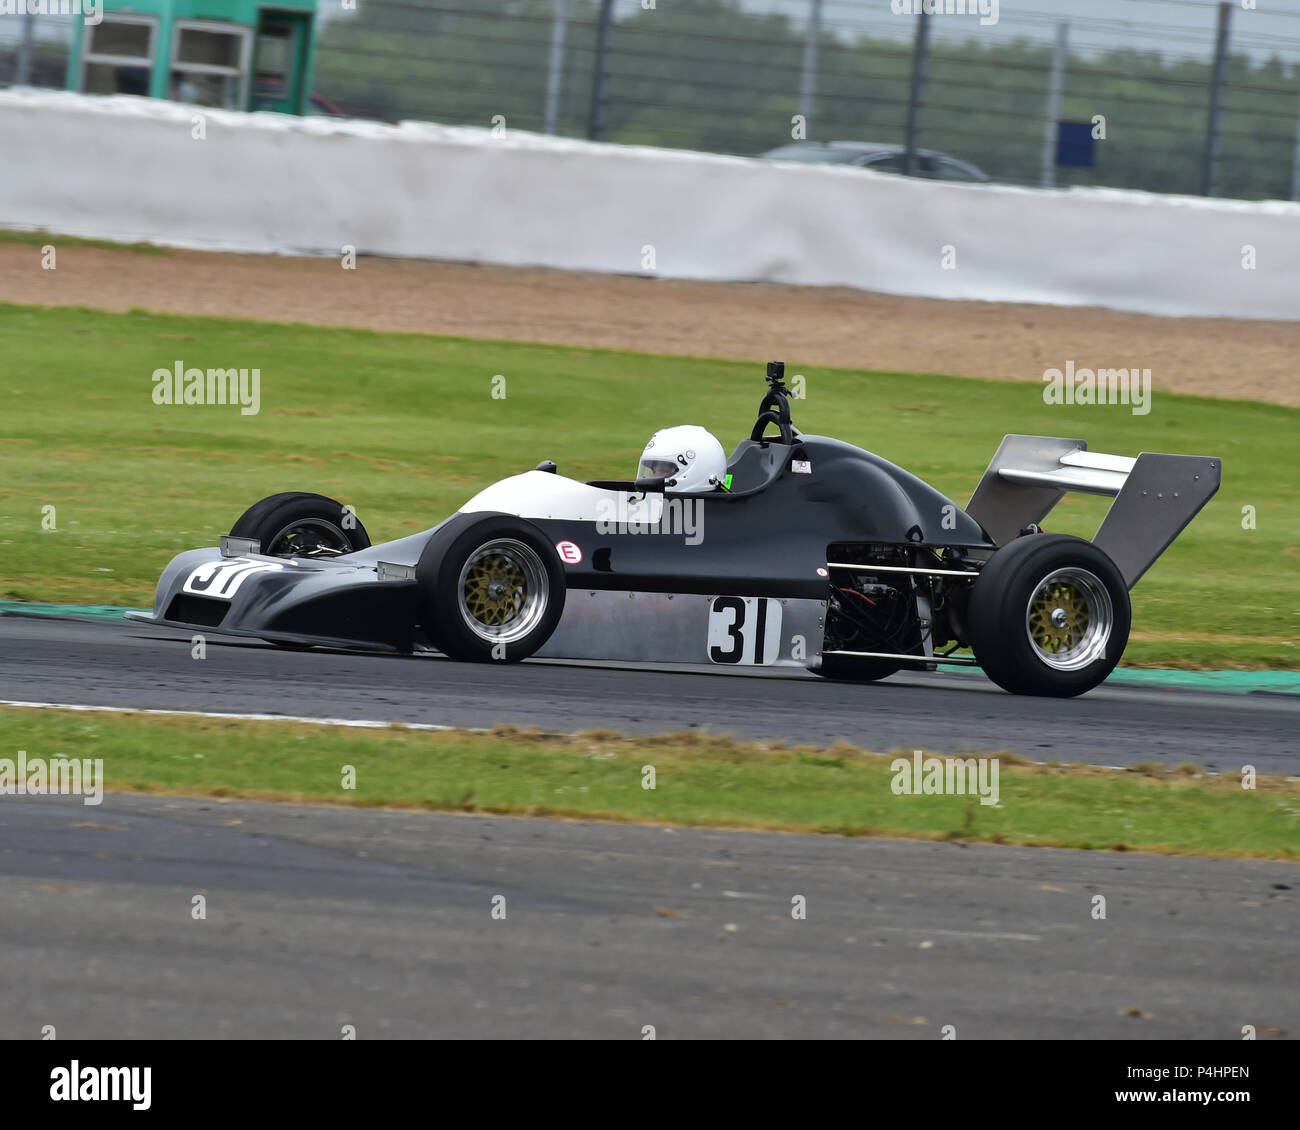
{"points": [[297, 524], [856, 670], [1049, 616], [493, 588]]}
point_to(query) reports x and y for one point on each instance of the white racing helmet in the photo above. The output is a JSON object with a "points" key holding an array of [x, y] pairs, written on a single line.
{"points": [[689, 456]]}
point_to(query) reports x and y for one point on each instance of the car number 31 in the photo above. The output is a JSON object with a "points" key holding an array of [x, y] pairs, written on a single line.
{"points": [[745, 629], [221, 579]]}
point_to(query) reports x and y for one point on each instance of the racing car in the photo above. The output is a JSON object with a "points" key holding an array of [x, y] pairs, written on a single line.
{"points": [[810, 553]]}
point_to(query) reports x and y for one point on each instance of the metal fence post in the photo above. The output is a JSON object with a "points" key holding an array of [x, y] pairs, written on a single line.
{"points": [[919, 52], [23, 72], [808, 80], [596, 122], [1055, 89], [1216, 100], [555, 73], [1295, 164]]}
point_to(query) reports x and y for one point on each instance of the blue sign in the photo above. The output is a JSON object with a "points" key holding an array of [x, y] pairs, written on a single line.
{"points": [[1075, 147]]}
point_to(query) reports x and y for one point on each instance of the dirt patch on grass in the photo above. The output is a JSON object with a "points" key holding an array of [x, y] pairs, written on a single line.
{"points": [[804, 325]]}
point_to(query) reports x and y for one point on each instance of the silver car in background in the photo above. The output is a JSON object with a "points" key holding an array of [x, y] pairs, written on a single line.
{"points": [[879, 157]]}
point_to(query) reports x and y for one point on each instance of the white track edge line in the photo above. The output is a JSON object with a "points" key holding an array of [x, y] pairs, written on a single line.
{"points": [[359, 723]]}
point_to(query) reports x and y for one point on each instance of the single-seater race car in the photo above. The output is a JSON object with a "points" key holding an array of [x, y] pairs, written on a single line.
{"points": [[811, 553]]}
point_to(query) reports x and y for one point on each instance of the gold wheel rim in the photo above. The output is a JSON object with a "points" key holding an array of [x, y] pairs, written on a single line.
{"points": [[1069, 619], [1058, 617], [496, 590], [504, 591]]}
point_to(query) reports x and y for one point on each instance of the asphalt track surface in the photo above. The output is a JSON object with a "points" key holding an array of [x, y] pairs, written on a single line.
{"points": [[105, 663], [318, 918]]}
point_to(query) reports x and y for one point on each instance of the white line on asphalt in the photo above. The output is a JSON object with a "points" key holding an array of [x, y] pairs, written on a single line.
{"points": [[982, 934], [365, 724]]}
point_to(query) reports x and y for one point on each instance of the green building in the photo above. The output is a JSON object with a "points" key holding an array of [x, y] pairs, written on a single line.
{"points": [[234, 54]]}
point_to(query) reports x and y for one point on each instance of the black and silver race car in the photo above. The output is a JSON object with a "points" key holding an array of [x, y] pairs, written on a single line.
{"points": [[811, 553]]}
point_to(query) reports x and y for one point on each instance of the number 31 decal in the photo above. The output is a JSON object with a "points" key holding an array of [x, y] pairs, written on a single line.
{"points": [[745, 629], [223, 578]]}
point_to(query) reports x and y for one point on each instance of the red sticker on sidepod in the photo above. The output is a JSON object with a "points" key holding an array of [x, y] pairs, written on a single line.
{"points": [[569, 553]]}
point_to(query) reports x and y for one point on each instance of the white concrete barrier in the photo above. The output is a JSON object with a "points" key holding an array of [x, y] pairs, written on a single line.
{"points": [[128, 168]]}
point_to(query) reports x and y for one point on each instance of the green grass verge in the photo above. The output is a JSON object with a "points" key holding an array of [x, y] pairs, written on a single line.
{"points": [[41, 238], [405, 428], [700, 780]]}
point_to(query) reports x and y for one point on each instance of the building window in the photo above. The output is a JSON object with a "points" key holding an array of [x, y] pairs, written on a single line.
{"points": [[118, 56], [210, 64]]}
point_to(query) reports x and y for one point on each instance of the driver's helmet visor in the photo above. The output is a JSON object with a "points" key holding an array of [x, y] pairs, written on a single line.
{"points": [[656, 468]]}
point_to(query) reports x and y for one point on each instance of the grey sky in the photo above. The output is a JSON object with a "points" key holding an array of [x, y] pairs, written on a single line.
{"points": [[1175, 26], [1172, 26]]}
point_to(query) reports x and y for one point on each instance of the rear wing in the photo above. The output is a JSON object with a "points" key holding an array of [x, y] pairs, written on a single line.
{"points": [[1156, 496]]}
